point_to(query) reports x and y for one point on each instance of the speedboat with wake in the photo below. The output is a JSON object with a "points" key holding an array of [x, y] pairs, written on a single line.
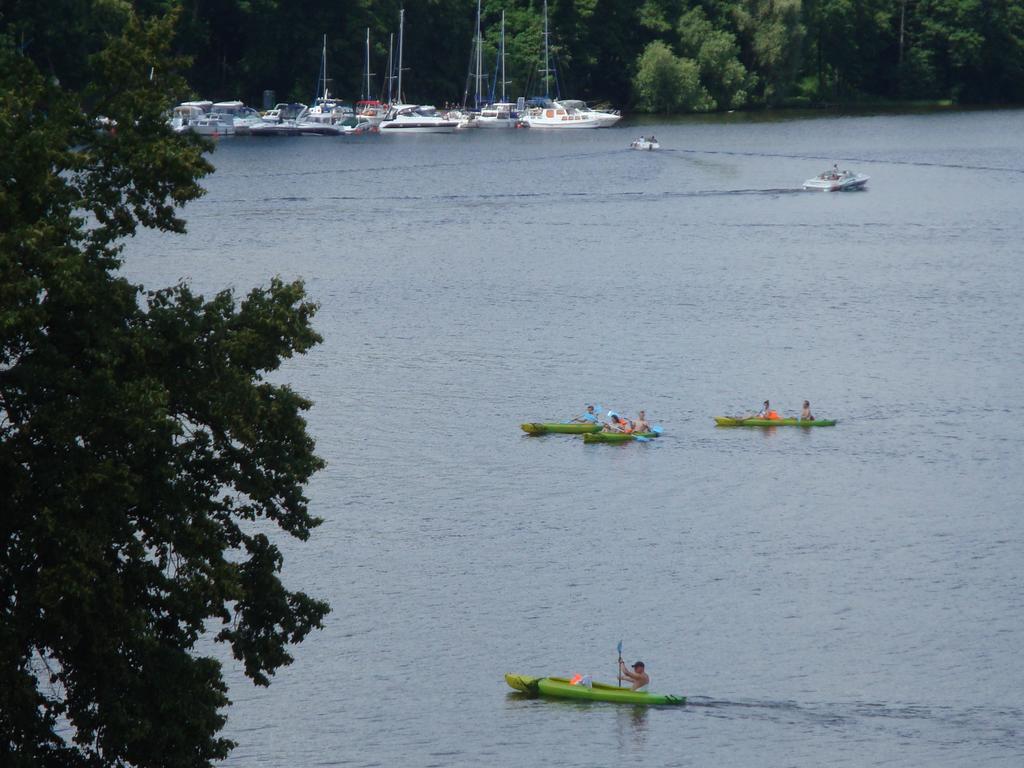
{"points": [[836, 180]]}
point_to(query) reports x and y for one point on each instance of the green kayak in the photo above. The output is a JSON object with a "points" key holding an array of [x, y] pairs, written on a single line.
{"points": [[728, 421], [544, 428], [616, 437], [561, 688]]}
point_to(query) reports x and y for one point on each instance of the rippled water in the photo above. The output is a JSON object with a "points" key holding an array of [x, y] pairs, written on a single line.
{"points": [[842, 597]]}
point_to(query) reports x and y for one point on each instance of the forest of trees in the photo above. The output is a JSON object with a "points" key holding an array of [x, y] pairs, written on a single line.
{"points": [[656, 55]]}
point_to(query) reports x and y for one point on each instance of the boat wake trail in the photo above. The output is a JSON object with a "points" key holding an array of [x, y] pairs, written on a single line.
{"points": [[864, 160], [984, 726]]}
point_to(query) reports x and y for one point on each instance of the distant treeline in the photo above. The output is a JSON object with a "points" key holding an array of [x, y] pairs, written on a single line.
{"points": [[657, 55]]}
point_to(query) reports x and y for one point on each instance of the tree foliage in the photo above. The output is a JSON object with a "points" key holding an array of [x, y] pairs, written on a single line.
{"points": [[667, 83], [145, 457]]}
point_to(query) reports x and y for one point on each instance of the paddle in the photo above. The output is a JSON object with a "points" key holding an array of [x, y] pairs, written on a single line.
{"points": [[620, 663]]}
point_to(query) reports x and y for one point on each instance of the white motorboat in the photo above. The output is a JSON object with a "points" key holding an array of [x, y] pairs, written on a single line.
{"points": [[559, 115], [242, 116], [213, 124], [183, 115], [499, 115], [415, 118], [836, 180], [645, 143]]}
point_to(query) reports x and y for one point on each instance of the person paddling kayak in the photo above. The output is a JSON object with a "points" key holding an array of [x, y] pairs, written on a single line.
{"points": [[805, 414], [637, 676], [766, 412], [618, 423], [641, 424], [587, 417]]}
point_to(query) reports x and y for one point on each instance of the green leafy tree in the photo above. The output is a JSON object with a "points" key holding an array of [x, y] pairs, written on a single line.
{"points": [[773, 34], [667, 83], [144, 457], [717, 54]]}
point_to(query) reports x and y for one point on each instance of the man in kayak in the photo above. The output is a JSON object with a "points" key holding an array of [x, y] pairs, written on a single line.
{"points": [[637, 676], [805, 414], [641, 424], [588, 417], [766, 412]]}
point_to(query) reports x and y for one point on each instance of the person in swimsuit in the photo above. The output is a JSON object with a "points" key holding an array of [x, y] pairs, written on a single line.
{"points": [[805, 414], [637, 676]]}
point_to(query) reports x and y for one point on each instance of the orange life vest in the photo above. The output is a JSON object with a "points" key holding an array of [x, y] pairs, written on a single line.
{"points": [[773, 414]]}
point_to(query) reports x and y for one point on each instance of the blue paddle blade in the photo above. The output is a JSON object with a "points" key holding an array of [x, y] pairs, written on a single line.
{"points": [[656, 429], [640, 439], [620, 647]]}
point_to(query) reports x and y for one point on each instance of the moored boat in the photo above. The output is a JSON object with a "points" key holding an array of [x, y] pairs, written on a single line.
{"points": [[544, 428], [562, 688], [739, 421], [617, 437]]}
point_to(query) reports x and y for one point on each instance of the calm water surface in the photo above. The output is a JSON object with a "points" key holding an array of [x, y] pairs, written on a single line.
{"points": [[843, 597]]}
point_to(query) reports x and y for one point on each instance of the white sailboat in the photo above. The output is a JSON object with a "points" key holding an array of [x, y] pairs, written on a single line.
{"points": [[563, 114], [497, 114], [412, 118], [367, 108]]}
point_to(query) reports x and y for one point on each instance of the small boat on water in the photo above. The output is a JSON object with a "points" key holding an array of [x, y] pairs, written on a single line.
{"points": [[645, 143], [558, 428], [836, 180], [740, 421], [563, 688]]}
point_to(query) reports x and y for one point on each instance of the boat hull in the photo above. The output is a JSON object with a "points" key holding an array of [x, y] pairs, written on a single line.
{"points": [[728, 421], [616, 437], [561, 688], [544, 428]]}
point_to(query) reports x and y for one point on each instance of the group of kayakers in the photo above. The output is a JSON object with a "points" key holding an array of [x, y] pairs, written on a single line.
{"points": [[769, 413], [616, 422]]}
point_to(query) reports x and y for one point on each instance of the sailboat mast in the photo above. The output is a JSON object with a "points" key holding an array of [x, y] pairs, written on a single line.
{"points": [[366, 97], [547, 65], [323, 68], [401, 36], [391, 65], [479, 58], [503, 56]]}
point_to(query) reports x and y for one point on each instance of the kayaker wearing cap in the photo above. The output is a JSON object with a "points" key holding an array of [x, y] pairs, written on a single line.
{"points": [[637, 676], [588, 417], [766, 412]]}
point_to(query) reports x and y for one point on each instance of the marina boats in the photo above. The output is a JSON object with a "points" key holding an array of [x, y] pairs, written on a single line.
{"points": [[835, 180], [645, 143]]}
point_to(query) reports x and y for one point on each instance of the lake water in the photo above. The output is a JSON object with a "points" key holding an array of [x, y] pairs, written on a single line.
{"points": [[849, 596]]}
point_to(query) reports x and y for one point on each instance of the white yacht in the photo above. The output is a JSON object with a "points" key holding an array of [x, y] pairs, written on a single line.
{"points": [[836, 180], [563, 115], [242, 117], [415, 118]]}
